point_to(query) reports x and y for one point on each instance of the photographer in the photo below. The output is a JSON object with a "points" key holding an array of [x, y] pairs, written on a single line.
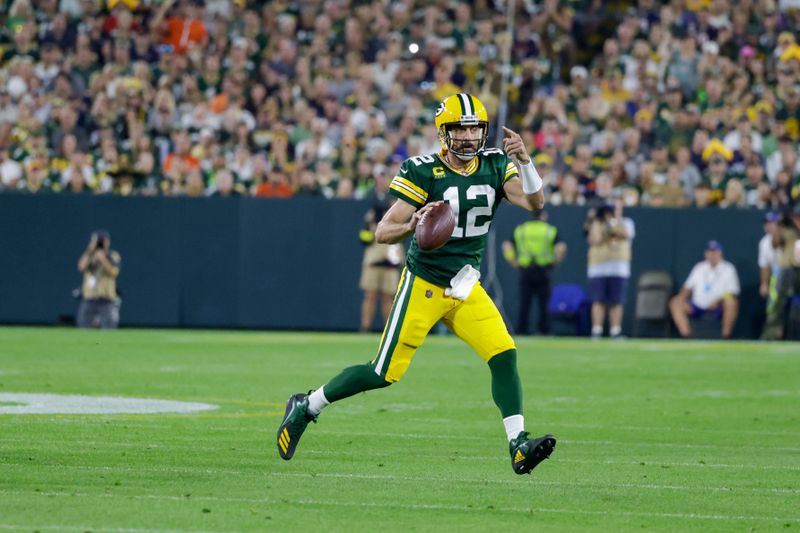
{"points": [[99, 264], [785, 240], [609, 236], [380, 267]]}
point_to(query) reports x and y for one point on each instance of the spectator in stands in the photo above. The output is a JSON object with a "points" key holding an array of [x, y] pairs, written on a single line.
{"points": [[325, 83], [756, 188], [734, 195], [184, 29], [225, 185], [99, 264], [712, 287], [277, 186], [36, 180]]}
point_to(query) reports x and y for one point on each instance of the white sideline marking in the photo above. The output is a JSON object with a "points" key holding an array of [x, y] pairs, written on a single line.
{"points": [[478, 508], [50, 404]]}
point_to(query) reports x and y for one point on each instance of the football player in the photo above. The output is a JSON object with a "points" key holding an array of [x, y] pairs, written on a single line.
{"points": [[442, 284]]}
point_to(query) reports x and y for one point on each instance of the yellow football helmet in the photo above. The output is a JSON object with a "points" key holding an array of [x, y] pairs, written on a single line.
{"points": [[461, 109]]}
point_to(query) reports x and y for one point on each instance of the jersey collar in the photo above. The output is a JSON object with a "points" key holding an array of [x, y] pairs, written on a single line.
{"points": [[470, 169]]}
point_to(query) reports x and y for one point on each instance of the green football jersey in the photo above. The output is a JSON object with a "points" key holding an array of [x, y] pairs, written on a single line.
{"points": [[473, 196]]}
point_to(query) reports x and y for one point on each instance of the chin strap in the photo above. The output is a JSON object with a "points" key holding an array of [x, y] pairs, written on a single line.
{"points": [[464, 157]]}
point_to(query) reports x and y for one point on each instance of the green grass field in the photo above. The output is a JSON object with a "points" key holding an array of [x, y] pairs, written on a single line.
{"points": [[652, 435]]}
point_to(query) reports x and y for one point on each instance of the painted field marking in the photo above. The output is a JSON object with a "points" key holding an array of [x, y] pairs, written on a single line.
{"points": [[49, 404]]}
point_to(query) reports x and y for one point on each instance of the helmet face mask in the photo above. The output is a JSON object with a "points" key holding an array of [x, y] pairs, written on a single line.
{"points": [[465, 148], [462, 111]]}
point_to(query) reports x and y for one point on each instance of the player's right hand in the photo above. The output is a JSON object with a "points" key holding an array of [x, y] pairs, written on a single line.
{"points": [[418, 214]]}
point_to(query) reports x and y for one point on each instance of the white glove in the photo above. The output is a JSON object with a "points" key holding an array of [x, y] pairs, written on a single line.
{"points": [[462, 283]]}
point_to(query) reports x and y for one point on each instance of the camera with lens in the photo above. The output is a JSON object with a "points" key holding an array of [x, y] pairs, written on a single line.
{"points": [[101, 239], [603, 213]]}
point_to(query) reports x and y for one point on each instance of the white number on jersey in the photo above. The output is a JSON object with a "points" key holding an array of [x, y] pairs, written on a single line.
{"points": [[420, 159], [473, 192]]}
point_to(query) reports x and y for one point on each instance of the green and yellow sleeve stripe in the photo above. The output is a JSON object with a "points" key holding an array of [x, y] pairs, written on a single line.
{"points": [[511, 171], [408, 190]]}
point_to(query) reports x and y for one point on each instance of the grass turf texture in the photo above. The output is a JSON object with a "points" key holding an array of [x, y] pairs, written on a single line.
{"points": [[652, 435]]}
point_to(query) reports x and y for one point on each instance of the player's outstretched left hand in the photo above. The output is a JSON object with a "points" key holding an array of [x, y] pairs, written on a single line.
{"points": [[515, 147]]}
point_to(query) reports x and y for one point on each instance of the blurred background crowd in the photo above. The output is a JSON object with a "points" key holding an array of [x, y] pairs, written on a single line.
{"points": [[664, 104]]}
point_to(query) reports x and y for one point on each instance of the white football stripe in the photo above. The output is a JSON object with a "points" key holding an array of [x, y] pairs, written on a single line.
{"points": [[467, 107], [395, 317]]}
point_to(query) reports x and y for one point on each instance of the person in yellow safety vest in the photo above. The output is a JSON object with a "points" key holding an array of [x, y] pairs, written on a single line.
{"points": [[534, 250]]}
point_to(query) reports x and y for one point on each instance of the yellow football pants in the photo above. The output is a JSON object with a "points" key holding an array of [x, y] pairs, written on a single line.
{"points": [[418, 305]]}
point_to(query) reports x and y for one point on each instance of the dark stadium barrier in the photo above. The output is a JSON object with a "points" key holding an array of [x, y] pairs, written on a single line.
{"points": [[291, 264]]}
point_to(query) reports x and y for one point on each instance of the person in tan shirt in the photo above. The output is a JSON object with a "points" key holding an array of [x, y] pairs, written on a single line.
{"points": [[99, 265], [380, 267], [788, 283], [609, 236]]}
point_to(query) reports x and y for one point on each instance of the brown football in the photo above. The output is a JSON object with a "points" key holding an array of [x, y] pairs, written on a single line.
{"points": [[435, 227]]}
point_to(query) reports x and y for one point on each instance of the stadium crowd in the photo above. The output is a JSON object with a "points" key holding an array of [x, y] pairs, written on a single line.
{"points": [[693, 102]]}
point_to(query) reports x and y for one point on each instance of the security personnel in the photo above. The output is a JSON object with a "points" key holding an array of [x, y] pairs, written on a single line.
{"points": [[536, 248]]}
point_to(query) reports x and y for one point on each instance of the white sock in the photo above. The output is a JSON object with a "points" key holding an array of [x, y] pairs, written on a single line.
{"points": [[615, 330], [317, 402], [597, 331], [514, 425]]}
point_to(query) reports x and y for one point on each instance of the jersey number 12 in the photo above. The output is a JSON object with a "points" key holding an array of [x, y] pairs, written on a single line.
{"points": [[473, 192]]}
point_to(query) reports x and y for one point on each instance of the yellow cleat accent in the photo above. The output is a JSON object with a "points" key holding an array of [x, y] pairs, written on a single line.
{"points": [[283, 446], [519, 457]]}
